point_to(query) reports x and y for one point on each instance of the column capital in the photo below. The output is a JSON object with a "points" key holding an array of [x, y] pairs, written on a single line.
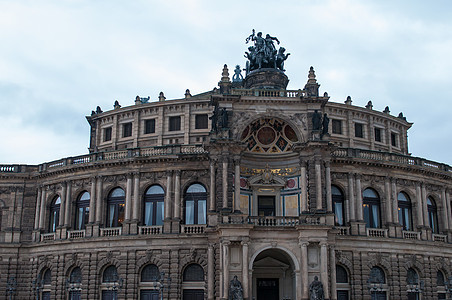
{"points": [[327, 164], [358, 176], [136, 174], [303, 243], [169, 172], [323, 244], [129, 176], [178, 172]]}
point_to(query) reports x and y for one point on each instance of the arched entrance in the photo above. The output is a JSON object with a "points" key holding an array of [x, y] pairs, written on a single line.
{"points": [[273, 275]]}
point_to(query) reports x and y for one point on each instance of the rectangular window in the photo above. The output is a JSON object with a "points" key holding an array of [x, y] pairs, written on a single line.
{"points": [[394, 140], [127, 129], [359, 130], [337, 126], [107, 134], [377, 134], [149, 126], [174, 123], [201, 121]]}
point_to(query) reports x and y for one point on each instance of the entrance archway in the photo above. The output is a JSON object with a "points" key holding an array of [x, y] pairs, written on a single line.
{"points": [[274, 275]]}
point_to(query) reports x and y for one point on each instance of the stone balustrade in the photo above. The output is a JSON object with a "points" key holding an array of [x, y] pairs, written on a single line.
{"points": [[46, 237], [150, 230], [271, 221], [193, 229], [114, 231], [269, 93], [377, 232], [439, 238], [343, 230], [76, 234], [411, 235]]}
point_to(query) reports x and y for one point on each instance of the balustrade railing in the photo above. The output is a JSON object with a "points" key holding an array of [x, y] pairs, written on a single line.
{"points": [[269, 93], [114, 231], [150, 230], [271, 221], [76, 234], [193, 229], [46, 237], [411, 235], [390, 157], [343, 230], [439, 238], [377, 232]]}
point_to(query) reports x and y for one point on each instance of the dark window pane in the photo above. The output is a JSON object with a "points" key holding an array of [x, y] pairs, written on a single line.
{"points": [[193, 272], [377, 275], [201, 122], [440, 278], [195, 200], [174, 123], [359, 130], [341, 275], [377, 134], [76, 275], [394, 139], [54, 214], [107, 134], [47, 277], [337, 126], [127, 129], [150, 273], [110, 274], [149, 126]]}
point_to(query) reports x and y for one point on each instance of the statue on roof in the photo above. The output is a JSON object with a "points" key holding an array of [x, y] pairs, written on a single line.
{"points": [[264, 53]]}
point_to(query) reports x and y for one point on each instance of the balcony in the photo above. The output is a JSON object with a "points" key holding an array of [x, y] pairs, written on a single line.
{"points": [[114, 231], [439, 238], [411, 235], [343, 230], [150, 230], [47, 237], [193, 229], [273, 221], [76, 234], [377, 232]]}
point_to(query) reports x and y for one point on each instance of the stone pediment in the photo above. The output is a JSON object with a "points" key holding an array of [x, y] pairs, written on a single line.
{"points": [[267, 178], [269, 262]]}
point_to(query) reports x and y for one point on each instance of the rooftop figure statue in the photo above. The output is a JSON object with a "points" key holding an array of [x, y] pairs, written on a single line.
{"points": [[264, 53]]}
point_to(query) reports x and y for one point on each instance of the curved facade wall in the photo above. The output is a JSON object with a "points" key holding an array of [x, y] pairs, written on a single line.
{"points": [[232, 182]]}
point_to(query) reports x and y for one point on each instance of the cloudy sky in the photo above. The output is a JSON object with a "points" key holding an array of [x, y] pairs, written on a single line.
{"points": [[60, 59]]}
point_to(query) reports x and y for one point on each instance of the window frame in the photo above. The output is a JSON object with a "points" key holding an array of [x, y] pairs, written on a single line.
{"points": [[54, 217], [405, 211], [336, 198], [155, 199], [201, 123], [84, 212], [432, 211], [336, 126], [378, 136], [107, 134], [372, 202], [149, 126], [119, 209], [127, 129], [174, 123], [197, 198], [359, 133]]}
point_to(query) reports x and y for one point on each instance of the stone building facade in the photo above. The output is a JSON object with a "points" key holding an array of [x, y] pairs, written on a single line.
{"points": [[252, 180]]}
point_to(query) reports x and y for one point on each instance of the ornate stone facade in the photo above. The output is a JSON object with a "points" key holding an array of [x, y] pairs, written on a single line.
{"points": [[231, 182]]}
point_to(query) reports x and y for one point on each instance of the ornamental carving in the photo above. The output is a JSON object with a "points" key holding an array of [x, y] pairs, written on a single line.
{"points": [[269, 135]]}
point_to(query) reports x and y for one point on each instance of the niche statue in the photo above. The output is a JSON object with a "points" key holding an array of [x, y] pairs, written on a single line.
{"points": [[235, 289], [316, 290]]}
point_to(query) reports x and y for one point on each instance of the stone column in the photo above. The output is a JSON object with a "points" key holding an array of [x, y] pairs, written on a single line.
{"points": [[424, 205], [318, 185], [177, 204], [226, 270], [212, 186], [38, 208], [448, 208], [62, 205], [245, 278], [304, 270], [136, 197], [324, 268], [351, 197], [99, 200], [419, 206], [169, 177], [395, 203], [329, 200], [388, 206], [92, 201], [237, 186], [210, 273], [128, 208], [303, 187], [333, 273], [359, 199], [444, 210], [68, 214], [42, 211], [225, 183]]}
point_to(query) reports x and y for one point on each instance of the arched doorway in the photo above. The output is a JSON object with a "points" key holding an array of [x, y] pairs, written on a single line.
{"points": [[273, 275]]}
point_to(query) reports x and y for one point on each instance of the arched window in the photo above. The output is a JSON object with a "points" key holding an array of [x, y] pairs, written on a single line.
{"points": [[54, 214], [432, 215], [371, 208], [115, 208], [193, 282], [111, 283], [413, 284], [377, 284], [47, 277], [45, 281], [377, 275], [342, 283], [195, 204], [74, 284], [193, 272], [338, 206], [82, 211], [441, 285], [149, 276], [153, 206], [405, 214]]}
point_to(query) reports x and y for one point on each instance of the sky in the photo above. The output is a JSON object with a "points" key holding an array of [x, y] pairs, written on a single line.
{"points": [[61, 59]]}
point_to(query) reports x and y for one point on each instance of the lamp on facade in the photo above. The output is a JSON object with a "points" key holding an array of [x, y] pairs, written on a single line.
{"points": [[374, 286], [161, 283], [11, 286], [448, 284], [38, 285]]}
